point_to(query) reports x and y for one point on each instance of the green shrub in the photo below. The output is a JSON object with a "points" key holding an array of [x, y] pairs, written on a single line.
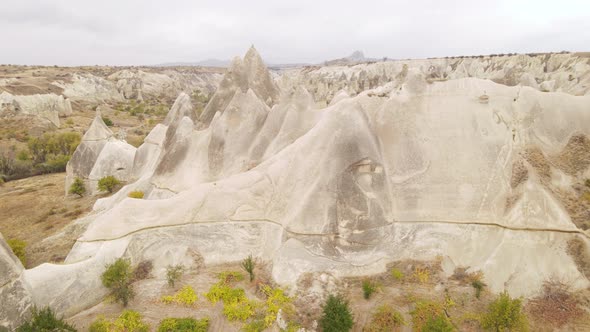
{"points": [[185, 296], [70, 122], [587, 183], [53, 163], [107, 121], [108, 183], [53, 144], [479, 286], [336, 315], [101, 324], [256, 325], [385, 319], [118, 277], [128, 321], [248, 265], [23, 155], [136, 194], [397, 274], [424, 311], [19, 249], [77, 187], [505, 314], [368, 288], [45, 320], [438, 324], [184, 325], [174, 273]]}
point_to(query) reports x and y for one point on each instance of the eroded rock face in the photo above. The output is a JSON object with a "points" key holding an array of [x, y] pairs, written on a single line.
{"points": [[15, 293], [249, 73], [47, 106], [406, 167], [100, 154]]}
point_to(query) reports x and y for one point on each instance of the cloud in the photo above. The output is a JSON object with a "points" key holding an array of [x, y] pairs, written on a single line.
{"points": [[74, 32]]}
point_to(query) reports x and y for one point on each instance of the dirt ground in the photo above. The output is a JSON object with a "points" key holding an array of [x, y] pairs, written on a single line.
{"points": [[35, 208], [464, 309]]}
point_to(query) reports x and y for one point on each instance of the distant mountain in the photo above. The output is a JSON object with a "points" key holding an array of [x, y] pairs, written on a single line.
{"points": [[355, 57]]}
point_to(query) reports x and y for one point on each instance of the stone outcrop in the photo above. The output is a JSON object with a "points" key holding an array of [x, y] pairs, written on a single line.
{"points": [[15, 293], [100, 154], [568, 73], [242, 75], [409, 167], [47, 106]]}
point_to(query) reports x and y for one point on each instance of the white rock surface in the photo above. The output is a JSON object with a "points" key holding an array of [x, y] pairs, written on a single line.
{"points": [[47, 106], [421, 161], [15, 292], [100, 154]]}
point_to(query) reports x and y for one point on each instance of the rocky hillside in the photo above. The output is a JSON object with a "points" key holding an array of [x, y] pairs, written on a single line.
{"points": [[477, 164]]}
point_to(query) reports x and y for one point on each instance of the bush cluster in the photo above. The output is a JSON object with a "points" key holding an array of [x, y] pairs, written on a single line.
{"points": [[48, 153], [184, 325], [45, 320], [385, 318], [128, 321], [108, 183], [185, 296], [505, 314]]}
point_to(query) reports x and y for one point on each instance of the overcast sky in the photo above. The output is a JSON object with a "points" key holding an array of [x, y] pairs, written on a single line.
{"points": [[140, 32]]}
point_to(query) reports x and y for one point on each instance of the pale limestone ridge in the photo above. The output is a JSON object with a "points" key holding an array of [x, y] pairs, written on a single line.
{"points": [[408, 167], [249, 73], [45, 106]]}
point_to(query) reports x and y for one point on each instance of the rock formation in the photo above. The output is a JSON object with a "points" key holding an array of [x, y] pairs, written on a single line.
{"points": [[47, 106], [14, 291], [99, 154], [407, 162]]}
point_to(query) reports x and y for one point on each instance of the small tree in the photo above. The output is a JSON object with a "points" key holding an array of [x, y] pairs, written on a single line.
{"points": [[248, 264], [368, 288], [337, 316], [108, 183], [173, 273], [118, 277], [77, 187], [505, 314]]}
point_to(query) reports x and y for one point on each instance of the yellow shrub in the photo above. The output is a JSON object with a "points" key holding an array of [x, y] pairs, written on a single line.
{"points": [[222, 292], [275, 300], [239, 310], [397, 274], [185, 296], [128, 321], [422, 275], [136, 194]]}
